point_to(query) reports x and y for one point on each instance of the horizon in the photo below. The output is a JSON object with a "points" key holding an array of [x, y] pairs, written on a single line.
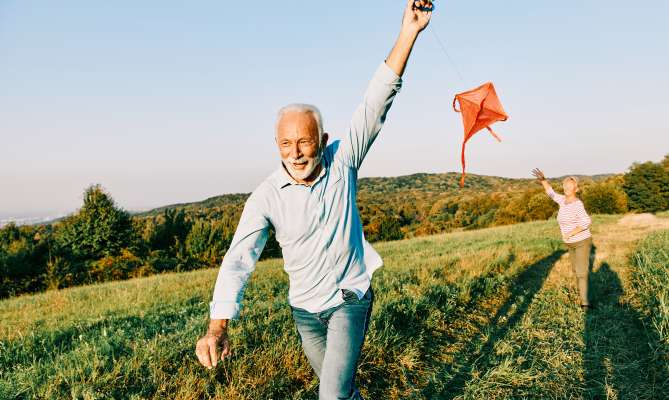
{"points": [[165, 103]]}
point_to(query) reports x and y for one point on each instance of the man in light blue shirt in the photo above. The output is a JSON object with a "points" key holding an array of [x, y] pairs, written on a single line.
{"points": [[311, 203]]}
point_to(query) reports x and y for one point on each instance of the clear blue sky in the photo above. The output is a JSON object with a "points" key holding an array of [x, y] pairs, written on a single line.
{"points": [[165, 102]]}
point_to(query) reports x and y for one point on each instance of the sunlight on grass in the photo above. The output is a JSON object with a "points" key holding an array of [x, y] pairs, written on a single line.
{"points": [[464, 315]]}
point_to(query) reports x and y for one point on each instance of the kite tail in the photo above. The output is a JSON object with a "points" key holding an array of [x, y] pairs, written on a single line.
{"points": [[493, 133], [462, 179]]}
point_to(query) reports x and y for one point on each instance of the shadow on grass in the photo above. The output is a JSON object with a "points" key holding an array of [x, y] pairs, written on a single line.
{"points": [[410, 333], [452, 381], [618, 361]]}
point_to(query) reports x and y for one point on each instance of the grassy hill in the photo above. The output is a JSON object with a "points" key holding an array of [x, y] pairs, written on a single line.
{"points": [[479, 314]]}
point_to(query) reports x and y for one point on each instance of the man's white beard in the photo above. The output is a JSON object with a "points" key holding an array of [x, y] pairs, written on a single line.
{"points": [[303, 174]]}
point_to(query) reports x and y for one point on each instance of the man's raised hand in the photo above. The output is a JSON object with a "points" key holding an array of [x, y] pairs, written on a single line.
{"points": [[417, 15]]}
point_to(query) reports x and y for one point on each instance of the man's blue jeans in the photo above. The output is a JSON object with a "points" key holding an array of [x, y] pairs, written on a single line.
{"points": [[332, 340]]}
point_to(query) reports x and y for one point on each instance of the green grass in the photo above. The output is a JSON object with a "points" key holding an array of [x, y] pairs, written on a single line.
{"points": [[476, 314], [650, 279]]}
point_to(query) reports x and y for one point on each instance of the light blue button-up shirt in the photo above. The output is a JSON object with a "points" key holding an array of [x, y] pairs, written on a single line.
{"points": [[318, 226]]}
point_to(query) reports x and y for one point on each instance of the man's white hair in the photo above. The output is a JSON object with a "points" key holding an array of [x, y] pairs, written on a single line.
{"points": [[302, 108]]}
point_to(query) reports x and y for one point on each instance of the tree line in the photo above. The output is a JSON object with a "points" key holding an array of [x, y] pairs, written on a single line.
{"points": [[102, 242]]}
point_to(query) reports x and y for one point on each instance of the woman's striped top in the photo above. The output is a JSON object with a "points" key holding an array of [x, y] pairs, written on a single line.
{"points": [[570, 216]]}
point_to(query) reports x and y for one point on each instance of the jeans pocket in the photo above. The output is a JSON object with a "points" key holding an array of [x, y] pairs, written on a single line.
{"points": [[350, 296]]}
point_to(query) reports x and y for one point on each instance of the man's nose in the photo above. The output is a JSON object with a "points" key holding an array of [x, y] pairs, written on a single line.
{"points": [[295, 152]]}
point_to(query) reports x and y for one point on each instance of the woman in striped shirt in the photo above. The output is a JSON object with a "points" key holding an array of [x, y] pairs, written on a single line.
{"points": [[575, 228]]}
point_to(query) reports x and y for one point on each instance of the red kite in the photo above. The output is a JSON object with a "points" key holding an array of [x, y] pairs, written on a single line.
{"points": [[480, 108]]}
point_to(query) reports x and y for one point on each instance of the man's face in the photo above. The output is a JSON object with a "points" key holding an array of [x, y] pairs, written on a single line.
{"points": [[297, 138]]}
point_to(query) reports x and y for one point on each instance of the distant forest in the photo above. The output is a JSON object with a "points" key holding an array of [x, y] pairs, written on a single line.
{"points": [[102, 242]]}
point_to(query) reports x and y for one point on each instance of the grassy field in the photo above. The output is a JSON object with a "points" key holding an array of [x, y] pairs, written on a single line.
{"points": [[650, 281], [479, 314]]}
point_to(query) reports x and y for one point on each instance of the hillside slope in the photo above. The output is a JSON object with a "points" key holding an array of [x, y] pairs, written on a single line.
{"points": [[435, 184]]}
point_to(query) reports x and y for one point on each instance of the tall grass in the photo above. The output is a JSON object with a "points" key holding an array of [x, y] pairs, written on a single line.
{"points": [[463, 315], [650, 280], [136, 338]]}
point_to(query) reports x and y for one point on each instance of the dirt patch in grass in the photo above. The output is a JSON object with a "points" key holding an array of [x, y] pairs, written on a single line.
{"points": [[644, 219]]}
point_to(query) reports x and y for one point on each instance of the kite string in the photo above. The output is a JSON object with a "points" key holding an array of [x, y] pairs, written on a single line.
{"points": [[443, 48], [457, 71]]}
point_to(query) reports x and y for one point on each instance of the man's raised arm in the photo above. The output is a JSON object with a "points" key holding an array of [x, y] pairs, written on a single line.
{"points": [[369, 117], [414, 21]]}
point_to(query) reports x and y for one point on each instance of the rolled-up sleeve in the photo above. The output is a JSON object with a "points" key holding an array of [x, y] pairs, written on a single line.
{"points": [[370, 115], [239, 261]]}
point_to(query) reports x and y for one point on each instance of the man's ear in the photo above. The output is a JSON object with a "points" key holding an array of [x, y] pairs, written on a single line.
{"points": [[324, 140]]}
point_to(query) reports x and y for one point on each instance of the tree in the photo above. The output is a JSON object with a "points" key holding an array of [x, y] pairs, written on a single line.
{"points": [[540, 206], [9, 233], [168, 230], [383, 227], [647, 187], [23, 255], [530, 205], [207, 242], [109, 268], [390, 229], [98, 229], [476, 212], [604, 198]]}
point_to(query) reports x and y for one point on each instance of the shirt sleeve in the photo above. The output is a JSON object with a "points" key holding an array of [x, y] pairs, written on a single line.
{"points": [[370, 115], [239, 261], [558, 198]]}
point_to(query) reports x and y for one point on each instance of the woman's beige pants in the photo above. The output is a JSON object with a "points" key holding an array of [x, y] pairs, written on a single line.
{"points": [[579, 254]]}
